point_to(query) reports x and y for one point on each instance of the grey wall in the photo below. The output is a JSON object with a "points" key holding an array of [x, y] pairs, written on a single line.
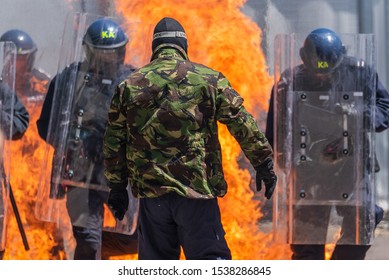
{"points": [[44, 20]]}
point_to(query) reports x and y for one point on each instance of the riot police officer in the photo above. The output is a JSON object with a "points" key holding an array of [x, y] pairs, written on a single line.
{"points": [[329, 72], [14, 120], [10, 106], [82, 179], [30, 81]]}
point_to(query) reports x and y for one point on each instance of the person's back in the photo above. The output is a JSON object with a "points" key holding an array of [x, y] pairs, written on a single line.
{"points": [[164, 116], [180, 109]]}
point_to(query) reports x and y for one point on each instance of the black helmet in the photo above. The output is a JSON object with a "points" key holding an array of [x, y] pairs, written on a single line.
{"points": [[322, 51], [25, 46], [105, 34], [105, 43], [169, 31], [22, 41]]}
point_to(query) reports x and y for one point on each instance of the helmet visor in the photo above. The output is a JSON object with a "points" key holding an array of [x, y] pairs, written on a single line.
{"points": [[24, 63], [105, 61]]}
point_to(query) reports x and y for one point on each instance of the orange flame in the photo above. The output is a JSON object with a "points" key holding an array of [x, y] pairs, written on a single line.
{"points": [[39, 85], [26, 162]]}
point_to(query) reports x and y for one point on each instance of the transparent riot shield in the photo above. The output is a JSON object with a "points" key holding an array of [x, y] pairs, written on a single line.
{"points": [[31, 82], [324, 145], [7, 95], [88, 74]]}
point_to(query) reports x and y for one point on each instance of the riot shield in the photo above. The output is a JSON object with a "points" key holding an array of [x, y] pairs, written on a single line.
{"points": [[30, 82], [7, 82], [324, 145], [74, 170]]}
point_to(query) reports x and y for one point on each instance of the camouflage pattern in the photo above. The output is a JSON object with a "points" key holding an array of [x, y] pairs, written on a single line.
{"points": [[162, 132]]}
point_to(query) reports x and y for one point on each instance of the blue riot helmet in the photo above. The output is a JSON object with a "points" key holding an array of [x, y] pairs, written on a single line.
{"points": [[105, 46], [26, 50], [322, 51]]}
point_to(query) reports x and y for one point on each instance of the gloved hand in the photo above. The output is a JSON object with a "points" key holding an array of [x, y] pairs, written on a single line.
{"points": [[118, 202], [266, 174], [379, 214]]}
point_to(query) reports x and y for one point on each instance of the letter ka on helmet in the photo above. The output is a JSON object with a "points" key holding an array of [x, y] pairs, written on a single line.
{"points": [[322, 51]]}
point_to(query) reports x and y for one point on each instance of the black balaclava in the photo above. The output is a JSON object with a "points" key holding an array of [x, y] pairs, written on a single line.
{"points": [[169, 31]]}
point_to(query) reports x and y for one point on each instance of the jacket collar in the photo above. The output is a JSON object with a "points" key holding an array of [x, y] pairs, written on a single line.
{"points": [[169, 50]]}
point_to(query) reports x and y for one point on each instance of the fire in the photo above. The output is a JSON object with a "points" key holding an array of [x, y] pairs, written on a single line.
{"points": [[26, 163], [222, 37], [38, 85]]}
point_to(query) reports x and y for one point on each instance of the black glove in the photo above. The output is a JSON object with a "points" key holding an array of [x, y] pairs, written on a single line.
{"points": [[379, 214], [118, 202], [266, 174]]}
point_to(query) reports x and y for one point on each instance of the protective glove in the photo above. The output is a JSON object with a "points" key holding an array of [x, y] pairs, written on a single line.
{"points": [[379, 214], [266, 174], [118, 202]]}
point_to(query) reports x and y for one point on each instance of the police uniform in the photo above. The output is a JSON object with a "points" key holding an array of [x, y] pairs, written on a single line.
{"points": [[20, 122], [81, 164], [345, 78]]}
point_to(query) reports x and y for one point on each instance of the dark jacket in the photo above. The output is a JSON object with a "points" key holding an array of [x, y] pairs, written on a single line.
{"points": [[21, 117], [73, 120], [162, 132], [61, 81], [348, 78]]}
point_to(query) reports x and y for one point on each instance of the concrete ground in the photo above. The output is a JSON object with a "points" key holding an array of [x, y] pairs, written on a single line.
{"points": [[380, 248]]}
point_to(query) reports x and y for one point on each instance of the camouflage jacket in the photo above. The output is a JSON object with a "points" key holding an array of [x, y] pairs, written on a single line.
{"points": [[162, 132]]}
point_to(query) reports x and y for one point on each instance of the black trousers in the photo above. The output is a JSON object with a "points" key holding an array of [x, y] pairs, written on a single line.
{"points": [[171, 221], [341, 251], [317, 252], [86, 212]]}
